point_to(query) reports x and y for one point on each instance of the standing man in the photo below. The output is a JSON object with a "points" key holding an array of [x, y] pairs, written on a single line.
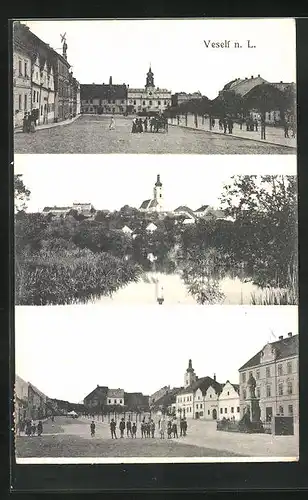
{"points": [[152, 428], [184, 426], [134, 429], [129, 428], [40, 428], [92, 427], [112, 124], [113, 429], [175, 429], [122, 427]]}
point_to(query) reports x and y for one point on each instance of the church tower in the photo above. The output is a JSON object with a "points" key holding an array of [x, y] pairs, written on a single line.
{"points": [[158, 194], [150, 78], [190, 376]]}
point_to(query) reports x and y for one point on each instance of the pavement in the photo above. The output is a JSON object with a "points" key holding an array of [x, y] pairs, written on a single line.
{"points": [[71, 438], [90, 134], [45, 126], [274, 135]]}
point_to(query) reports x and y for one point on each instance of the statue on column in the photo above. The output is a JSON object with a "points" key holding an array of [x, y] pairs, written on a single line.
{"points": [[252, 386], [64, 46]]}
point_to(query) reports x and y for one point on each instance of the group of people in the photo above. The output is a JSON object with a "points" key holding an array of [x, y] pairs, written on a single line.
{"points": [[30, 428], [28, 123], [147, 428], [149, 124]]}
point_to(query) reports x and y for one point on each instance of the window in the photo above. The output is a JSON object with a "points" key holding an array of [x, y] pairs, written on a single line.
{"points": [[250, 374], [232, 409], [208, 412], [37, 97], [258, 392], [228, 393], [201, 406], [280, 389], [150, 103], [280, 410], [91, 101], [34, 95], [109, 401], [268, 372], [197, 406], [122, 102], [238, 409], [290, 388], [120, 401], [158, 103], [199, 398], [279, 370], [210, 395], [19, 102], [226, 410], [26, 68], [165, 103], [290, 409], [135, 101], [20, 68], [41, 110], [115, 401], [143, 102], [244, 393], [257, 374], [289, 367], [268, 391], [244, 377], [113, 102], [220, 410]]}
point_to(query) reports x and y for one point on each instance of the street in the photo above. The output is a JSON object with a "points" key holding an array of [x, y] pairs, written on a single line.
{"points": [[71, 438], [90, 134]]}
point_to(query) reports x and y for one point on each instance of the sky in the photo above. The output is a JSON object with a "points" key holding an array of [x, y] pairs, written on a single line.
{"points": [[124, 49], [112, 181], [66, 351]]}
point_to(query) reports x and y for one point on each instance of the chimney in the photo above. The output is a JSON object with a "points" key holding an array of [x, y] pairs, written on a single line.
{"points": [[214, 377], [110, 80], [259, 76], [290, 334], [280, 337], [246, 78], [281, 81], [251, 76]]}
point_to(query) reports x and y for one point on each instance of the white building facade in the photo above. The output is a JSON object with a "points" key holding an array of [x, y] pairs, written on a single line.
{"points": [[149, 98], [229, 402], [21, 84], [115, 397]]}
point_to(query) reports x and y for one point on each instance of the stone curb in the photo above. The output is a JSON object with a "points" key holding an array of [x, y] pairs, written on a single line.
{"points": [[48, 126], [235, 136]]}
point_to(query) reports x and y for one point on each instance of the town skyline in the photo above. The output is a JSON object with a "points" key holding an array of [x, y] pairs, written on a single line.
{"points": [[79, 366], [150, 38], [110, 183]]}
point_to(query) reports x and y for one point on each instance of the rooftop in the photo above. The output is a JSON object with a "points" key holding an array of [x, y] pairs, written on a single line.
{"points": [[284, 348], [203, 383]]}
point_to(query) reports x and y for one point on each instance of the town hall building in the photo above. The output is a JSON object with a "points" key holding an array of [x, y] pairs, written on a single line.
{"points": [[149, 98]]}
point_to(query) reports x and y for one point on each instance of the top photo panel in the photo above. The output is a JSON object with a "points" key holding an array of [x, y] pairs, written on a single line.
{"points": [[197, 86]]}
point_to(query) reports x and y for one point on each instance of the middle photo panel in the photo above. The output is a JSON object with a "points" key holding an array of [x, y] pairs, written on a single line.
{"points": [[156, 230]]}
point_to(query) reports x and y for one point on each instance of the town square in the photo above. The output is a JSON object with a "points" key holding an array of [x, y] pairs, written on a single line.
{"points": [[56, 111], [218, 407]]}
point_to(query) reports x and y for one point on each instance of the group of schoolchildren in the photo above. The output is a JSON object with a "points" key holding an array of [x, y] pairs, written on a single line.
{"points": [[30, 428], [147, 428]]}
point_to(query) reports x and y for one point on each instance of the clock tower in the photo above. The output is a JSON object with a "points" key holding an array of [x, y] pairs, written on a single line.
{"points": [[150, 79]]}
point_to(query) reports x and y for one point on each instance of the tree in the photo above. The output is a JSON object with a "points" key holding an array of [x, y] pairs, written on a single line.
{"points": [[21, 193], [265, 212]]}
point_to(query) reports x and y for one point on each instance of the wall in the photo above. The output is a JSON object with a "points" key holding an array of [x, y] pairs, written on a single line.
{"points": [[272, 380], [21, 87], [211, 404]]}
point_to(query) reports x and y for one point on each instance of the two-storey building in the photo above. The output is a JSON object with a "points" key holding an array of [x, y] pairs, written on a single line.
{"points": [[21, 76], [150, 98]]}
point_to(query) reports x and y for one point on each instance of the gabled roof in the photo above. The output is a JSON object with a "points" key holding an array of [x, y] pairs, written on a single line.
{"points": [[102, 91], [115, 393], [153, 203], [202, 209], [203, 384], [135, 400], [37, 391], [183, 208], [285, 348], [168, 399], [48, 209], [242, 87], [99, 390], [145, 204]]}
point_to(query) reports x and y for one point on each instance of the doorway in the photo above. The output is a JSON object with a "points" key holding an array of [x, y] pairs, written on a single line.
{"points": [[214, 414], [197, 415], [268, 413]]}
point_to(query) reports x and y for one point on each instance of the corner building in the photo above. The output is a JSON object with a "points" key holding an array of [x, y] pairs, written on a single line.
{"points": [[275, 369]]}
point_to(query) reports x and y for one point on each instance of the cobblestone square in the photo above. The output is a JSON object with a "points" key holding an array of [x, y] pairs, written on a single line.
{"points": [[90, 134]]}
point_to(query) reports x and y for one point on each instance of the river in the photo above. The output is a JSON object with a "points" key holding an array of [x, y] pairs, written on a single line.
{"points": [[174, 291]]}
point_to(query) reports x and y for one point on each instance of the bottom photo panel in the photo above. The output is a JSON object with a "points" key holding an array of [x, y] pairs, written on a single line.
{"points": [[172, 384]]}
